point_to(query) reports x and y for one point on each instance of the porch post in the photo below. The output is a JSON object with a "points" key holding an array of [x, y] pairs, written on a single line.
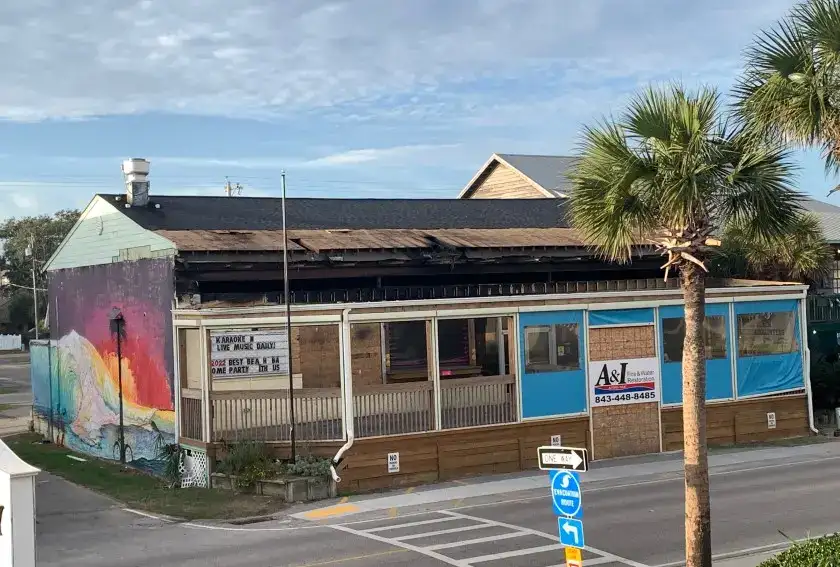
{"points": [[434, 368], [206, 386]]}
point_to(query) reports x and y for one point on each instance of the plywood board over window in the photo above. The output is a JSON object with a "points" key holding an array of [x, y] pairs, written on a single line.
{"points": [[627, 428]]}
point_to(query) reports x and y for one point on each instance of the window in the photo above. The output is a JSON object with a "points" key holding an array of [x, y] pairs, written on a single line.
{"points": [[453, 342], [551, 348], [761, 334], [673, 333], [406, 345]]}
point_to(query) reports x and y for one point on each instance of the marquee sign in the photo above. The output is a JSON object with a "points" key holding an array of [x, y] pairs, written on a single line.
{"points": [[245, 354], [618, 382]]}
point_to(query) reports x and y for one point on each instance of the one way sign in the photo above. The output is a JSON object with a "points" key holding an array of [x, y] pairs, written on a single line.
{"points": [[562, 458]]}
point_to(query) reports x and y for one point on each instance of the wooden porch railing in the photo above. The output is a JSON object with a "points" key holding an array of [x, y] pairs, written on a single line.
{"points": [[394, 409], [191, 419], [390, 409], [265, 415], [483, 400]]}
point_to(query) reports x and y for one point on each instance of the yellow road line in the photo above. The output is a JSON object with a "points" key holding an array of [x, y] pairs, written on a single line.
{"points": [[336, 510], [344, 500], [392, 512], [409, 490], [356, 558]]}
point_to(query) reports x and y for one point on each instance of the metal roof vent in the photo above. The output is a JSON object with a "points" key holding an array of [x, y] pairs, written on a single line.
{"points": [[136, 176]]}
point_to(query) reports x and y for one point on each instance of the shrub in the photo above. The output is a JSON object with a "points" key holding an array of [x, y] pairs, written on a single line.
{"points": [[308, 465], [819, 552], [248, 461]]}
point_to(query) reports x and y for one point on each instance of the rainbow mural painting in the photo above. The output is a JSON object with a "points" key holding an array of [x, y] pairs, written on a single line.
{"points": [[75, 380]]}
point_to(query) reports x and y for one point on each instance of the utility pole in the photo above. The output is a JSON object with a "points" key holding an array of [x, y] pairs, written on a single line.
{"points": [[30, 251], [288, 317]]}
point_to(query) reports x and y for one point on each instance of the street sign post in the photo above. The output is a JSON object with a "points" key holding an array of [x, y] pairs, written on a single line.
{"points": [[571, 532], [564, 464], [562, 458], [565, 494]]}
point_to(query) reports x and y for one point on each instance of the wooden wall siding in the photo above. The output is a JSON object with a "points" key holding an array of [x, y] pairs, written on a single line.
{"points": [[320, 359], [454, 454], [742, 421], [503, 182], [104, 235]]}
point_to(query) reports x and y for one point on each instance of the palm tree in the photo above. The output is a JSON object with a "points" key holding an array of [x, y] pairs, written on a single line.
{"points": [[803, 255], [671, 172], [789, 88]]}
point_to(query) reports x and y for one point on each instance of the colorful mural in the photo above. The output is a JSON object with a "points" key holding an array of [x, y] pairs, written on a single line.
{"points": [[76, 380]]}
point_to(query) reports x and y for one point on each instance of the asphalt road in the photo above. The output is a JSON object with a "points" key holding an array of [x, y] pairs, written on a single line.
{"points": [[15, 386], [636, 521]]}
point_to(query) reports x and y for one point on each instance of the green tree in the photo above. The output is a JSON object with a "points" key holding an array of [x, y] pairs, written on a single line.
{"points": [[41, 236], [670, 172], [802, 255], [790, 85]]}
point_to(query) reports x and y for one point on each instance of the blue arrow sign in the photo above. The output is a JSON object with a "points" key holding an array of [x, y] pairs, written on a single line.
{"points": [[571, 532], [565, 494]]}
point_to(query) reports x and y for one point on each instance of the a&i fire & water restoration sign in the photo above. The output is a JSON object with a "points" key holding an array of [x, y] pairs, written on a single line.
{"points": [[630, 381], [243, 354]]}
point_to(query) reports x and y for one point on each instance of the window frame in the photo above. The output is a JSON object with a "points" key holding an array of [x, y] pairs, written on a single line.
{"points": [[552, 347], [706, 334], [792, 323]]}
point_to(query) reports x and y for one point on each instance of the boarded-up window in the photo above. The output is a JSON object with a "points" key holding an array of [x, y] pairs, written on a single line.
{"points": [[761, 334], [551, 348], [673, 333]]}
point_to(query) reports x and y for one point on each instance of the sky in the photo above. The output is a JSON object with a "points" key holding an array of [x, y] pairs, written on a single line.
{"points": [[353, 98]]}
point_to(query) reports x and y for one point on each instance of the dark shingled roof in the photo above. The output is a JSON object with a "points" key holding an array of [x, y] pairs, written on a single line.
{"points": [[264, 213]]}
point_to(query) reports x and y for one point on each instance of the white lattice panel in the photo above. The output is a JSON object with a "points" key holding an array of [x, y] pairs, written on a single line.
{"points": [[194, 468]]}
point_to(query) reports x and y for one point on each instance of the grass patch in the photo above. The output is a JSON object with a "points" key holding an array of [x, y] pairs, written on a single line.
{"points": [[6, 407], [7, 390], [138, 490]]}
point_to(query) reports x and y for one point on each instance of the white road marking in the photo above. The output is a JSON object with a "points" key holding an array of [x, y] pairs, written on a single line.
{"points": [[408, 525], [408, 546], [230, 529], [442, 532], [552, 537], [514, 553], [146, 515], [475, 541]]}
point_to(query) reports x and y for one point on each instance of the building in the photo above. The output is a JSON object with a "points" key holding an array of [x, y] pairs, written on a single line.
{"points": [[430, 339]]}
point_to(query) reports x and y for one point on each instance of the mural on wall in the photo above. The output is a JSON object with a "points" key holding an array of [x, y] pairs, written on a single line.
{"points": [[76, 380]]}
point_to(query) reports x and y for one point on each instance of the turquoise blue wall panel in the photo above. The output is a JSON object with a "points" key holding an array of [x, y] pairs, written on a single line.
{"points": [[620, 317], [768, 374], [718, 372], [552, 393]]}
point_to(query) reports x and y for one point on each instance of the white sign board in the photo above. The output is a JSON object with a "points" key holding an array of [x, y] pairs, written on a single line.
{"points": [[771, 420], [243, 354], [618, 382], [556, 440], [393, 462]]}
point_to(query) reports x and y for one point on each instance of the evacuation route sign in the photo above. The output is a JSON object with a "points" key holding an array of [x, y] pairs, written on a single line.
{"points": [[566, 497]]}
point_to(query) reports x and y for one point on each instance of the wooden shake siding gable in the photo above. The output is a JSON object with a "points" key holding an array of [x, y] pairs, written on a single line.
{"points": [[502, 182]]}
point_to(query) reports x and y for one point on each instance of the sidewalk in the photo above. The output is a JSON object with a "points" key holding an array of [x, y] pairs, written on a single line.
{"points": [[621, 470], [744, 561]]}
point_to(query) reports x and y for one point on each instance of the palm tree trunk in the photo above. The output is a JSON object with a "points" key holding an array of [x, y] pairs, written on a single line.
{"points": [[698, 530]]}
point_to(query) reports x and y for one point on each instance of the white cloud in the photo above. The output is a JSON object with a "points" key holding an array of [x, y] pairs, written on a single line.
{"points": [[263, 58], [355, 157]]}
